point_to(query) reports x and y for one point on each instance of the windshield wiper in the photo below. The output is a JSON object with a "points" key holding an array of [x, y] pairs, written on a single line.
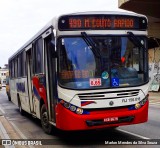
{"points": [[135, 40], [91, 43]]}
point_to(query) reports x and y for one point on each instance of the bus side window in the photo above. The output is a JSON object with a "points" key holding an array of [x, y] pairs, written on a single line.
{"points": [[38, 55]]}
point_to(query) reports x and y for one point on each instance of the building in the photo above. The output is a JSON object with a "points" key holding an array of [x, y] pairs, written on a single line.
{"points": [[3, 72], [150, 8]]}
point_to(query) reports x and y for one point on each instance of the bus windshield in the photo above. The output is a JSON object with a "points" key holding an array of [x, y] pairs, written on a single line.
{"points": [[110, 62]]}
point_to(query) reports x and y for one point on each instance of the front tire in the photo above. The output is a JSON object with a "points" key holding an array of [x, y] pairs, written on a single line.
{"points": [[47, 127]]}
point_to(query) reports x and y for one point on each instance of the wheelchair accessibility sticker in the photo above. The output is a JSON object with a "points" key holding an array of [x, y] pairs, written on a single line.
{"points": [[115, 82]]}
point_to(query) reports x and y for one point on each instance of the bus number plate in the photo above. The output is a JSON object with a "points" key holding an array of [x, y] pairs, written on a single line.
{"points": [[95, 82], [111, 119]]}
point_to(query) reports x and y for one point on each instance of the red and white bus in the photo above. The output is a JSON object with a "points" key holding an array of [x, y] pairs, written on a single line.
{"points": [[84, 71]]}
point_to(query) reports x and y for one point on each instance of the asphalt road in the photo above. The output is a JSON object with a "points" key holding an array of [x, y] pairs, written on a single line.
{"points": [[30, 128]]}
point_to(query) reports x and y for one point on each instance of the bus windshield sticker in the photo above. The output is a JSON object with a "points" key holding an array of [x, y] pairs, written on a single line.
{"points": [[115, 82], [105, 75], [95, 82]]}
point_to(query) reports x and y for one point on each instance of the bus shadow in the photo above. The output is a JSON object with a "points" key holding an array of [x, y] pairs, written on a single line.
{"points": [[90, 137], [29, 117]]}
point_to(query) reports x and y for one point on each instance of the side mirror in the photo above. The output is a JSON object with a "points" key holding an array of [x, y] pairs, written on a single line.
{"points": [[51, 46]]}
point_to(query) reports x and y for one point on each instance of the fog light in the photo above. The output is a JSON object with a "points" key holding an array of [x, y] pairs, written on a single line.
{"points": [[137, 105], [79, 111]]}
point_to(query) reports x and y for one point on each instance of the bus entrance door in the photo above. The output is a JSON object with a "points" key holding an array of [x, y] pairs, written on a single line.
{"points": [[50, 71], [29, 78]]}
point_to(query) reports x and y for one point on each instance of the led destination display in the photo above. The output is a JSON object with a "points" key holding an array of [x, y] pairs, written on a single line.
{"points": [[101, 22]]}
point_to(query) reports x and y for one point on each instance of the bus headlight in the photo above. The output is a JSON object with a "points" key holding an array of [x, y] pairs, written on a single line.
{"points": [[144, 101], [66, 104], [73, 108], [139, 104], [79, 111]]}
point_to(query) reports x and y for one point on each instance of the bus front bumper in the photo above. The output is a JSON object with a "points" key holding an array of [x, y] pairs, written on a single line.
{"points": [[67, 120]]}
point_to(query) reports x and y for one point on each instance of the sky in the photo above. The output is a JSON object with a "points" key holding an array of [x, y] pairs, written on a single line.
{"points": [[22, 19]]}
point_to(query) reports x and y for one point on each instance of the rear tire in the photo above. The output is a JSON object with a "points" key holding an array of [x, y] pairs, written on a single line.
{"points": [[20, 107], [47, 127], [9, 98]]}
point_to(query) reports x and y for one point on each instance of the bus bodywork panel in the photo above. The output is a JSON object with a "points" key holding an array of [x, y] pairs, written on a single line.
{"points": [[97, 115], [19, 90], [101, 98], [67, 120]]}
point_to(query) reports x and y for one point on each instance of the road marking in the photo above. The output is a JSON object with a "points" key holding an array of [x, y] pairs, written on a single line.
{"points": [[133, 134], [2, 110], [20, 133], [3, 132], [4, 135]]}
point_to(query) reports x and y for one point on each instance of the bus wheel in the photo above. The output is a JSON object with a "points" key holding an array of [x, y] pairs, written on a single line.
{"points": [[47, 127], [20, 107], [9, 98]]}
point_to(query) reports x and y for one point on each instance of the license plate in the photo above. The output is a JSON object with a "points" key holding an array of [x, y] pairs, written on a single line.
{"points": [[110, 119]]}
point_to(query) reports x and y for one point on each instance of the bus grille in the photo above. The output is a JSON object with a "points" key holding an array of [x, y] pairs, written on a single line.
{"points": [[108, 95]]}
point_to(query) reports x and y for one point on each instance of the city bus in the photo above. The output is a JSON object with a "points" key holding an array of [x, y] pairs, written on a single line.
{"points": [[83, 71], [0, 84], [7, 86]]}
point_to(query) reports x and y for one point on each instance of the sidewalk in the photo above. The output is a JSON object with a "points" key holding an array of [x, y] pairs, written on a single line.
{"points": [[7, 131], [154, 95]]}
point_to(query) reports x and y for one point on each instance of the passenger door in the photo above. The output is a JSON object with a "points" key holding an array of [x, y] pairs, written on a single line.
{"points": [[29, 60], [50, 72]]}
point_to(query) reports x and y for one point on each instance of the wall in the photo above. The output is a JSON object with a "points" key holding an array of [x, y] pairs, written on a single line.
{"points": [[154, 30], [154, 69]]}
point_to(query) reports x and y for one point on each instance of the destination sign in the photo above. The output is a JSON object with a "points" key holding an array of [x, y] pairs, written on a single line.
{"points": [[101, 22]]}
